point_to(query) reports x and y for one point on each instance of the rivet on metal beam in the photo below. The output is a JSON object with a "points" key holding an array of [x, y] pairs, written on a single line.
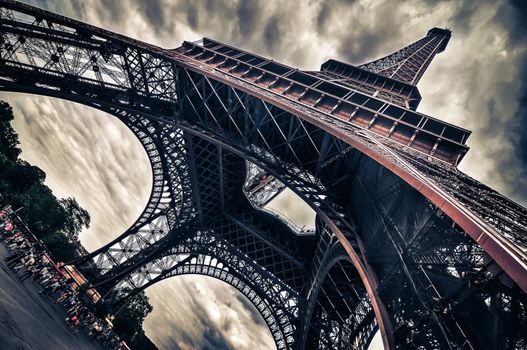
{"points": [[353, 114], [394, 125], [412, 138], [375, 116], [435, 146]]}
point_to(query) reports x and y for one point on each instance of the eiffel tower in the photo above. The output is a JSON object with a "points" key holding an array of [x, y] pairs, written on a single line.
{"points": [[404, 243]]}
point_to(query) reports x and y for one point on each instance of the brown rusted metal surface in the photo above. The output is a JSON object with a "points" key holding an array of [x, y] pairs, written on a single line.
{"points": [[409, 128]]}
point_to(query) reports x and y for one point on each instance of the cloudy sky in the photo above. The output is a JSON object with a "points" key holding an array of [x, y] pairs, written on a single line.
{"points": [[479, 82]]}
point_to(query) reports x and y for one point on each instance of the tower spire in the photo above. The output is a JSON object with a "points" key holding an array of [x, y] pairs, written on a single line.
{"points": [[409, 63]]}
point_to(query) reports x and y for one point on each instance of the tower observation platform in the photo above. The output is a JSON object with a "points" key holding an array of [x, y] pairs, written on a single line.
{"points": [[404, 243]]}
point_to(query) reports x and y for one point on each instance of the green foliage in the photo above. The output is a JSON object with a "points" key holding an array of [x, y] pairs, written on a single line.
{"points": [[60, 247], [23, 175], [131, 316], [141, 341], [76, 218], [8, 137]]}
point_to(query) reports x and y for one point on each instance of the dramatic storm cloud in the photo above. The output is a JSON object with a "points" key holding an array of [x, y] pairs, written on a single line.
{"points": [[479, 82]]}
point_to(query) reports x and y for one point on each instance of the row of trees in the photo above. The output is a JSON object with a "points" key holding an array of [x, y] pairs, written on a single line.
{"points": [[56, 222]]}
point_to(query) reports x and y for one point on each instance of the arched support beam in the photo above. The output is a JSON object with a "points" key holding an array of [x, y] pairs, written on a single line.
{"points": [[171, 195], [278, 306], [339, 312]]}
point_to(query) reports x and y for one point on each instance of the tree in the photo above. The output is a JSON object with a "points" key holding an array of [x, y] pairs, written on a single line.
{"points": [[22, 175], [140, 341], [62, 249], [76, 218], [41, 210], [22, 186], [8, 137], [130, 318], [129, 322]]}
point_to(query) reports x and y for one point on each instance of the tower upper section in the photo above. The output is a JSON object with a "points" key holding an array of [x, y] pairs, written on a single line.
{"points": [[409, 63], [393, 77]]}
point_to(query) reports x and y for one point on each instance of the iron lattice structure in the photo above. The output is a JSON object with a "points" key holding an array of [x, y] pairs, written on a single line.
{"points": [[404, 242]]}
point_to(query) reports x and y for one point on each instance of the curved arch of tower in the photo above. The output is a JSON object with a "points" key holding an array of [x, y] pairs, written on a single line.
{"points": [[404, 242]]}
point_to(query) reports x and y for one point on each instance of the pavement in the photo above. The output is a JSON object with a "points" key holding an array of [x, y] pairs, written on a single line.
{"points": [[30, 321]]}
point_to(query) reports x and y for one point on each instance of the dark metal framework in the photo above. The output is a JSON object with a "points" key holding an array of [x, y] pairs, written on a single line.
{"points": [[404, 242]]}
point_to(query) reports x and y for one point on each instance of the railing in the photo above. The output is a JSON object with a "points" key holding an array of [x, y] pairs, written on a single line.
{"points": [[301, 230]]}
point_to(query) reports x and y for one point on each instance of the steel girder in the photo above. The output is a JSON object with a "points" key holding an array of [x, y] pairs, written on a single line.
{"points": [[303, 92], [459, 252], [339, 314], [171, 205], [437, 279], [491, 231], [420, 283], [260, 187]]}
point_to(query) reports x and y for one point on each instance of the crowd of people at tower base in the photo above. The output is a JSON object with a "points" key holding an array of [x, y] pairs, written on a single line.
{"points": [[29, 260]]}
